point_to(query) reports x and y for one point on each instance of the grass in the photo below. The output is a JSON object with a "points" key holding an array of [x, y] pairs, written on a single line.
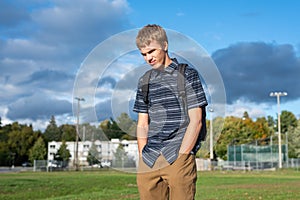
{"points": [[112, 185]]}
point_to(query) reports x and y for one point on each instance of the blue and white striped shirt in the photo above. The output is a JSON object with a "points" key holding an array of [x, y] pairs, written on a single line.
{"points": [[165, 110]]}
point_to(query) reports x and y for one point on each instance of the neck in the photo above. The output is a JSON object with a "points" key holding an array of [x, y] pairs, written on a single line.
{"points": [[167, 61]]}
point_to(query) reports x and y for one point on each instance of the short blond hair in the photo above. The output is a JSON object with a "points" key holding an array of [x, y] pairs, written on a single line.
{"points": [[149, 33]]}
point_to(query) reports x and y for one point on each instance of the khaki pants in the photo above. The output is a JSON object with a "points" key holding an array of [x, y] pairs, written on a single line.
{"points": [[162, 182]]}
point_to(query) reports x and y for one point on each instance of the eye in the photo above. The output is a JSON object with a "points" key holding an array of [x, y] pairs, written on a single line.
{"points": [[149, 52]]}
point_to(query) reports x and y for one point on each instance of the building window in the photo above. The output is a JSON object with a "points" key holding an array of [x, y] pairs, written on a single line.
{"points": [[52, 146]]}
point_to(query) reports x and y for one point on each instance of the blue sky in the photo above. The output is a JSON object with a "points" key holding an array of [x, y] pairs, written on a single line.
{"points": [[255, 45]]}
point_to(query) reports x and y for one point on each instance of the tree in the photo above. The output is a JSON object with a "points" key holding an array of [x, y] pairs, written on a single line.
{"points": [[218, 123], [287, 120], [245, 115], [128, 126], [4, 154], [271, 122], [20, 139], [63, 154], [111, 129], [38, 151], [294, 142], [123, 128], [92, 133], [52, 132], [238, 131], [68, 132], [120, 157], [94, 156]]}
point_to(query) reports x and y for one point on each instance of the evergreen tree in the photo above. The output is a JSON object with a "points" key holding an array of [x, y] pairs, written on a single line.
{"points": [[94, 156], [68, 132], [111, 129], [63, 154], [38, 151], [52, 132], [128, 126], [120, 157]]}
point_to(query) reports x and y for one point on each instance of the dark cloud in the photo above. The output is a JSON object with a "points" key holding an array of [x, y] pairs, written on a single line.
{"points": [[107, 80], [104, 111], [77, 23], [50, 79], [42, 44], [251, 70], [38, 107], [11, 14]]}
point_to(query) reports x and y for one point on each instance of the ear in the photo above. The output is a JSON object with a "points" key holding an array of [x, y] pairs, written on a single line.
{"points": [[165, 46]]}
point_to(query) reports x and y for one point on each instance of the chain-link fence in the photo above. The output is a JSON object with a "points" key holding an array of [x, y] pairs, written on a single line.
{"points": [[255, 153], [207, 165], [50, 165], [251, 157]]}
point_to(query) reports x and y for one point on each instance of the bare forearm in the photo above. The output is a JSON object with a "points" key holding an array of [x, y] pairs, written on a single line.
{"points": [[190, 138], [142, 131], [142, 137], [192, 132]]}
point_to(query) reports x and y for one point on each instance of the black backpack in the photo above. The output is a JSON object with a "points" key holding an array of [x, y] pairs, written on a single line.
{"points": [[182, 95]]}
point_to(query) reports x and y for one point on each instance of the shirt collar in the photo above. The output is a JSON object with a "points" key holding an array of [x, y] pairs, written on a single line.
{"points": [[172, 66]]}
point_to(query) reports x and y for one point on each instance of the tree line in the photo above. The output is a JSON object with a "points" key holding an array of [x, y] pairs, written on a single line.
{"points": [[20, 143]]}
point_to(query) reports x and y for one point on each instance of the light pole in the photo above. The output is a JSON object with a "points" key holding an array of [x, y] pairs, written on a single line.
{"points": [[278, 95], [287, 148], [211, 151], [77, 131]]}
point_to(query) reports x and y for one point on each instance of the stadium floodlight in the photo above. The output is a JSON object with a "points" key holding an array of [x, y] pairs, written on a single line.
{"points": [[278, 95]]}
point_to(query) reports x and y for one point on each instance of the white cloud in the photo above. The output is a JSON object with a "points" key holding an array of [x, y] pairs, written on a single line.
{"points": [[240, 106], [41, 49]]}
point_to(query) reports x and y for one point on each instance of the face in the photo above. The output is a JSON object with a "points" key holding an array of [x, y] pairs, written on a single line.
{"points": [[155, 55]]}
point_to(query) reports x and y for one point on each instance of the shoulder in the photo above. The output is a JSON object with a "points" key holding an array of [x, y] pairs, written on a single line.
{"points": [[145, 76], [190, 71]]}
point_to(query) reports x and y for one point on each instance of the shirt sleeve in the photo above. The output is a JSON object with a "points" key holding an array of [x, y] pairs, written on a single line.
{"points": [[194, 90], [139, 105]]}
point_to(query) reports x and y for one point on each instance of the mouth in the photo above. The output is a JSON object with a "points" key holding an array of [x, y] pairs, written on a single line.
{"points": [[152, 62]]}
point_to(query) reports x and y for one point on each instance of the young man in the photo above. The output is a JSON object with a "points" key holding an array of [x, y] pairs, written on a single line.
{"points": [[167, 133]]}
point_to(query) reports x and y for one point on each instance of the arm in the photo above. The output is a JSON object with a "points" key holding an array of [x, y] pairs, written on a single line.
{"points": [[142, 131], [192, 131]]}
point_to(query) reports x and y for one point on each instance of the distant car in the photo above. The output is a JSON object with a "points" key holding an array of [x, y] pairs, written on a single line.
{"points": [[26, 164], [54, 163], [96, 165], [105, 164]]}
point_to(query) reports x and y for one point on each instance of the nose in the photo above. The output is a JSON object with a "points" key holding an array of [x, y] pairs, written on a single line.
{"points": [[149, 56]]}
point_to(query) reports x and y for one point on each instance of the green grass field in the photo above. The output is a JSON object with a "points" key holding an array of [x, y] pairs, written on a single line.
{"points": [[112, 185]]}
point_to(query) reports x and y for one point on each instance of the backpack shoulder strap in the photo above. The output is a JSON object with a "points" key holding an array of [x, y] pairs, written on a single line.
{"points": [[181, 79], [182, 95], [145, 85], [180, 83]]}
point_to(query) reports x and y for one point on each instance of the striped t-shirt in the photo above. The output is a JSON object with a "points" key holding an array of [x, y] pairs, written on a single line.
{"points": [[165, 110]]}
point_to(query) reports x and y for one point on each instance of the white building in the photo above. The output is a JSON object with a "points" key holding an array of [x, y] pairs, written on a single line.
{"points": [[106, 150]]}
